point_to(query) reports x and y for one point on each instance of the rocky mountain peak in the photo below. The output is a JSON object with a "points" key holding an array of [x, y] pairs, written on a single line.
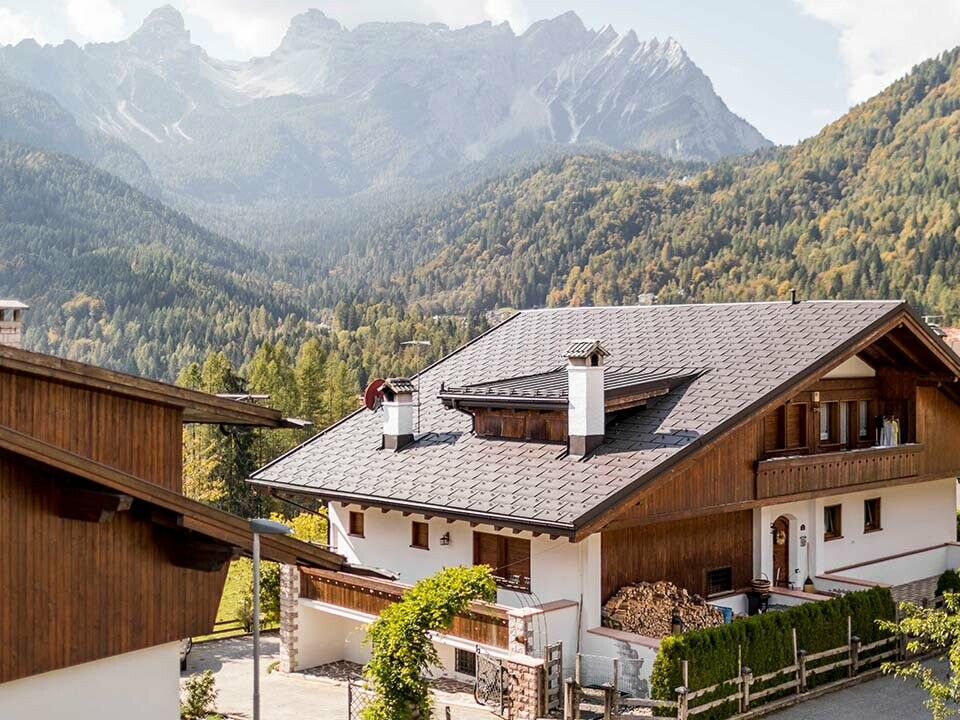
{"points": [[163, 32], [308, 29]]}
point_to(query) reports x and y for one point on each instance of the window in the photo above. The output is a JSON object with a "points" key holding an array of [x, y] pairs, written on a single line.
{"points": [[508, 557], [832, 528], [871, 515], [829, 416], [863, 420], [786, 428], [719, 580], [356, 524], [845, 423], [420, 535], [465, 662]]}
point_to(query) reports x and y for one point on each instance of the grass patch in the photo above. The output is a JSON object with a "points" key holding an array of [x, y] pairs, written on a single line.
{"points": [[227, 623]]}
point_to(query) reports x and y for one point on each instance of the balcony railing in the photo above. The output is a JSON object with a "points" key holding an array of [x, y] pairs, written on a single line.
{"points": [[807, 473], [484, 623]]}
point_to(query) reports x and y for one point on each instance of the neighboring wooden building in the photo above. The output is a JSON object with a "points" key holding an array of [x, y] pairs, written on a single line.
{"points": [[104, 565], [702, 444]]}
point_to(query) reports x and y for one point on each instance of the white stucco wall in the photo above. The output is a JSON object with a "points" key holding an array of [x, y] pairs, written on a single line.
{"points": [[144, 685], [912, 517], [554, 564]]}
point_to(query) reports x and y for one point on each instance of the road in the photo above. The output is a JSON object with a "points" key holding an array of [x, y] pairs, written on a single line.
{"points": [[282, 697], [885, 698]]}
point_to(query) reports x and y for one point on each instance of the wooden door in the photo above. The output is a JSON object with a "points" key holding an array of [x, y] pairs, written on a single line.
{"points": [[781, 551]]}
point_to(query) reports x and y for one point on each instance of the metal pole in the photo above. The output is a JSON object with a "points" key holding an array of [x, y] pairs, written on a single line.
{"points": [[256, 626]]}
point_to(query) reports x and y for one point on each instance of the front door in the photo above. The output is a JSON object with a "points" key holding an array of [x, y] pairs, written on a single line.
{"points": [[781, 551]]}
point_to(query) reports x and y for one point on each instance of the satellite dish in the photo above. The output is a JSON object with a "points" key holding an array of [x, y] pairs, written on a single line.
{"points": [[373, 395]]}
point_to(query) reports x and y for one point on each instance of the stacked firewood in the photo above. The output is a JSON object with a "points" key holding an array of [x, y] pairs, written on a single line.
{"points": [[649, 608]]}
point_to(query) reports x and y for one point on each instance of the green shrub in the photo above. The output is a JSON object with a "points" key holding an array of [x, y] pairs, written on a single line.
{"points": [[198, 698], [948, 582], [766, 644], [269, 593]]}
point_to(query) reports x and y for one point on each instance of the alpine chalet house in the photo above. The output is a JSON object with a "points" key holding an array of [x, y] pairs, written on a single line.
{"points": [[104, 565], [579, 450]]}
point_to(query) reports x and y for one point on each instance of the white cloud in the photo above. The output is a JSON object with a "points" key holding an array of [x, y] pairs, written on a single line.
{"points": [[95, 20], [880, 40], [15, 26]]}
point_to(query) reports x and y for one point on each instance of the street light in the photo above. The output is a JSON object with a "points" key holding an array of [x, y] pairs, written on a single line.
{"points": [[260, 526]]}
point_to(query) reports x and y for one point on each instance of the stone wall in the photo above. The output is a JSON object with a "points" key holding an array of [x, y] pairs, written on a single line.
{"points": [[919, 592], [289, 609], [522, 688]]}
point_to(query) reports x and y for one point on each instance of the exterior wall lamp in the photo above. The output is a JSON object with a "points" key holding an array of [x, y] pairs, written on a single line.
{"points": [[445, 539]]}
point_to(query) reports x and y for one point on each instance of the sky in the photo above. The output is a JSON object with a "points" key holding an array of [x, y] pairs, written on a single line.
{"points": [[788, 66]]}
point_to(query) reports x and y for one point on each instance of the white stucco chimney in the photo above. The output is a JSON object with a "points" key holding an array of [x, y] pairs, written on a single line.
{"points": [[398, 407], [585, 396], [11, 322]]}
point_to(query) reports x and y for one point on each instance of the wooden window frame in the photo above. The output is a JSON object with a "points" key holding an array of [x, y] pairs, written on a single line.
{"points": [[837, 531], [877, 524], [526, 582], [415, 539], [352, 530]]}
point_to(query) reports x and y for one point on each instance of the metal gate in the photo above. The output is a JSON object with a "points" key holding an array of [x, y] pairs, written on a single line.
{"points": [[358, 697], [489, 687], [553, 677]]}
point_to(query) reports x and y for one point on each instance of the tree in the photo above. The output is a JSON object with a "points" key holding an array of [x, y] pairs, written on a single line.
{"points": [[932, 630], [310, 380], [402, 649]]}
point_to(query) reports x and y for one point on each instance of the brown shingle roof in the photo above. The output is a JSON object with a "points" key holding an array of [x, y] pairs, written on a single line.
{"points": [[749, 351]]}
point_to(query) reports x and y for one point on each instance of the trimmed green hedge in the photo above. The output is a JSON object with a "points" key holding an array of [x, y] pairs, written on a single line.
{"points": [[766, 644]]}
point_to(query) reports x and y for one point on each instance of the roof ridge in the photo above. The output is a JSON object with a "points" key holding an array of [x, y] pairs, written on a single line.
{"points": [[733, 303]]}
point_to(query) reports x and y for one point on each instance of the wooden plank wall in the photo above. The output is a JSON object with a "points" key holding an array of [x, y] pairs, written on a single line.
{"points": [[74, 591], [938, 430], [678, 551], [140, 438]]}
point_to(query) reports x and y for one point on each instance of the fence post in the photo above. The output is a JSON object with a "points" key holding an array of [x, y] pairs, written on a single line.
{"points": [[796, 656], [903, 646], [616, 685], [802, 662], [568, 698], [608, 702], [746, 678], [854, 655], [682, 691]]}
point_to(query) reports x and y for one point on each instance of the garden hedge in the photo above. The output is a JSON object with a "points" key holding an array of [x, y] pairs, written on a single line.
{"points": [[766, 644]]}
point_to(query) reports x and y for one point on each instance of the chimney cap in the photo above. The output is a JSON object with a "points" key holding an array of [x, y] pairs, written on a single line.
{"points": [[585, 348], [399, 385]]}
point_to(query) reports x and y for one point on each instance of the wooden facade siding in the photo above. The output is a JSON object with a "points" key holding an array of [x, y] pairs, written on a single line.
{"points": [[136, 437], [680, 551], [484, 624], [938, 428], [830, 471], [76, 591]]}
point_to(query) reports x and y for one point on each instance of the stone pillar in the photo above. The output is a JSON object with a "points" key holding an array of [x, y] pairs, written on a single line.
{"points": [[289, 613], [520, 630], [523, 688]]}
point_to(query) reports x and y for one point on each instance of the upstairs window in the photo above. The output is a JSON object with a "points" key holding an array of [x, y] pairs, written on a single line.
{"points": [[863, 420], [871, 515], [845, 423], [832, 528], [356, 524], [420, 535], [829, 423], [508, 557]]}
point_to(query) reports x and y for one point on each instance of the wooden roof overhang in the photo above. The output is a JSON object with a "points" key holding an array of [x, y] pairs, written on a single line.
{"points": [[195, 526], [901, 320], [197, 407]]}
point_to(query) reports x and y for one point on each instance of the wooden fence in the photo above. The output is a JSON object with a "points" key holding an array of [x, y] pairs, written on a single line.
{"points": [[738, 692]]}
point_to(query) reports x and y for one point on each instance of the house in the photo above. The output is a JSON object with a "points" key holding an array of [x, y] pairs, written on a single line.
{"points": [[579, 450], [104, 565]]}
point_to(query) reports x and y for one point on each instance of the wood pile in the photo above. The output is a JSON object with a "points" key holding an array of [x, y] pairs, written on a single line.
{"points": [[648, 609]]}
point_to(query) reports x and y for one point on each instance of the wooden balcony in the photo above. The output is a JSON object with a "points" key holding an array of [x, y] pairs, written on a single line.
{"points": [[484, 623], [827, 471]]}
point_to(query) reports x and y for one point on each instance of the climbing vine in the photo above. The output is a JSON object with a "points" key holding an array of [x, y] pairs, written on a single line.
{"points": [[400, 639]]}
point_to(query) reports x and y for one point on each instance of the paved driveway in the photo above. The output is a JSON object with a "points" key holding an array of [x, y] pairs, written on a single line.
{"points": [[282, 697], [885, 698]]}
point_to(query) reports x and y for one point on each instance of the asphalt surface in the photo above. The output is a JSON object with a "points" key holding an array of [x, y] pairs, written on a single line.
{"points": [[883, 698], [282, 697]]}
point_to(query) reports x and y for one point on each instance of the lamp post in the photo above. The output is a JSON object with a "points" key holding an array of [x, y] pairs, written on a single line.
{"points": [[260, 526]]}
